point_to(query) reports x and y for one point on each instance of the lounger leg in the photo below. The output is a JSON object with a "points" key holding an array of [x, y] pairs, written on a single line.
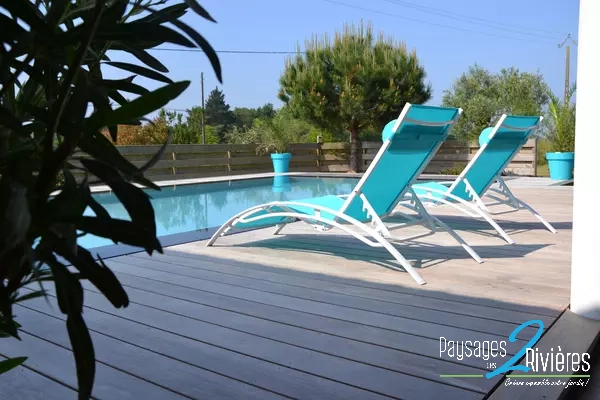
{"points": [[278, 229], [459, 239], [403, 261], [537, 215], [472, 207], [494, 225], [518, 203]]}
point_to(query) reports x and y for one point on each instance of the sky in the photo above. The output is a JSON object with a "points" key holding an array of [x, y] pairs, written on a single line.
{"points": [[449, 36]]}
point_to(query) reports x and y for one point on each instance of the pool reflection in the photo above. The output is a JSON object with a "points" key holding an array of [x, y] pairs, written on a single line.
{"points": [[197, 207]]}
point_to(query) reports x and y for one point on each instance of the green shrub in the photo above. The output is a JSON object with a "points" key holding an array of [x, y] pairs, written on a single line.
{"points": [[455, 169]]}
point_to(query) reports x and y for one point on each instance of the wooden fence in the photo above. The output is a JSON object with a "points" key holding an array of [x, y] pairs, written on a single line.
{"points": [[195, 160]]}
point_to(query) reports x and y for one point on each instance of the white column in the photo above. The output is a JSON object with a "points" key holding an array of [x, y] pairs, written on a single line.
{"points": [[585, 272]]}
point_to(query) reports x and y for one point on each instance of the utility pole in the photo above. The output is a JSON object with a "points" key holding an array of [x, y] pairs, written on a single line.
{"points": [[568, 62], [203, 130]]}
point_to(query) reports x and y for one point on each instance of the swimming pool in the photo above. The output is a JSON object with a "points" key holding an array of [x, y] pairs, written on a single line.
{"points": [[198, 207]]}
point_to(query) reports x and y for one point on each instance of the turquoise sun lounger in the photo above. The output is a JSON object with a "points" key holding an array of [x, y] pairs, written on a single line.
{"points": [[409, 143], [498, 146]]}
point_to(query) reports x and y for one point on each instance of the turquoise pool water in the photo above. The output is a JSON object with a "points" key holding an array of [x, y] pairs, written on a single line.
{"points": [[189, 208]]}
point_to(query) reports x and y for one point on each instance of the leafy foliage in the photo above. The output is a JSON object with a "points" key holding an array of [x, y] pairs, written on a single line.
{"points": [[52, 58], [352, 82], [276, 134], [561, 133], [218, 113], [154, 133], [245, 116], [484, 97]]}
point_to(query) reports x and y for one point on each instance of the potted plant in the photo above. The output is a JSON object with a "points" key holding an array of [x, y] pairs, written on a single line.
{"points": [[561, 135], [274, 136]]}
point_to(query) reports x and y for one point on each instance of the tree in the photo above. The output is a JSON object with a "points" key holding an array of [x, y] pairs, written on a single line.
{"points": [[245, 116], [267, 111], [51, 70], [352, 82], [484, 97], [218, 113]]}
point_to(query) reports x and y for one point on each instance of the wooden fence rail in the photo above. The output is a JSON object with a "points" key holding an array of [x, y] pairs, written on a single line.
{"points": [[197, 160]]}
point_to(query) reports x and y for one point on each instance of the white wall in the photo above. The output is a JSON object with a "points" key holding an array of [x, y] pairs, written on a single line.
{"points": [[585, 274]]}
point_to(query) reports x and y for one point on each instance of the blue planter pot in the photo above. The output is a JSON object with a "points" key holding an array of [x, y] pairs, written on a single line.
{"points": [[281, 162], [561, 165]]}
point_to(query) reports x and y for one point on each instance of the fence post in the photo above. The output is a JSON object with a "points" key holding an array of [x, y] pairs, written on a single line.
{"points": [[319, 151], [229, 161], [535, 157], [174, 159]]}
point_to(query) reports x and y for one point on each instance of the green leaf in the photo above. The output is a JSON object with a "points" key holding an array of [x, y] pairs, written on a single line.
{"points": [[134, 199], [119, 231], [98, 275], [166, 14], [198, 9], [139, 107], [11, 363], [69, 292], [57, 10], [143, 56], [8, 120], [9, 28], [125, 85], [136, 33], [204, 45], [118, 97], [85, 356], [70, 202], [9, 328], [114, 13], [30, 296], [26, 11], [148, 73], [99, 147]]}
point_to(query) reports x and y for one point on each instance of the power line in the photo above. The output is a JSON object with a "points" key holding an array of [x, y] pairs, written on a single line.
{"points": [[432, 23], [473, 19], [227, 51]]}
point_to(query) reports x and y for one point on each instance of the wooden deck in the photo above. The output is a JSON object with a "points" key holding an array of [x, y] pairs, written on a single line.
{"points": [[308, 315]]}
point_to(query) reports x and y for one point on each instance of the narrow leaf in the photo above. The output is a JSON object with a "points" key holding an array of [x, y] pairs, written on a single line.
{"points": [[198, 9], [8, 120], [9, 328], [119, 231], [134, 199], [100, 276], [11, 363], [148, 73], [69, 292], [139, 107], [204, 45], [124, 85], [137, 32], [85, 357], [163, 15], [30, 295], [99, 146], [143, 56]]}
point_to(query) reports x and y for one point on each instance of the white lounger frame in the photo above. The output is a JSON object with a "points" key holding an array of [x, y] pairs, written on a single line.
{"points": [[376, 235], [477, 208]]}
